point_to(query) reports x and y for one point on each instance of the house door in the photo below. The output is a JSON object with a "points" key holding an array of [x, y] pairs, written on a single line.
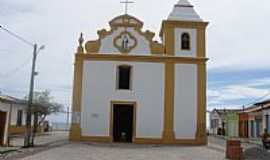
{"points": [[123, 123], [2, 126]]}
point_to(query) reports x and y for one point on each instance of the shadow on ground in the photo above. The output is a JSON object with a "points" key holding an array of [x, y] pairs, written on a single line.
{"points": [[256, 153]]}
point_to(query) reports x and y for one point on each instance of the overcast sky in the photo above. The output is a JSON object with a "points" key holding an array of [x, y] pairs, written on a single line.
{"points": [[237, 43]]}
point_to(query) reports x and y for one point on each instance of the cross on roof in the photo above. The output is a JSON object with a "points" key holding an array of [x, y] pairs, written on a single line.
{"points": [[127, 2]]}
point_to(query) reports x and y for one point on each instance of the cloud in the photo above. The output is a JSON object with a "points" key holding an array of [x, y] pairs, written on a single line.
{"points": [[236, 95]]}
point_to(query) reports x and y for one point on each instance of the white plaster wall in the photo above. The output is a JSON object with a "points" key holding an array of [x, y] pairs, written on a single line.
{"points": [[15, 108], [99, 89], [193, 37], [185, 101], [142, 48]]}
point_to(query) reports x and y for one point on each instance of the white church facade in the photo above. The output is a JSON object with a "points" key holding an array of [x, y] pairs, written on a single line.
{"points": [[129, 88]]}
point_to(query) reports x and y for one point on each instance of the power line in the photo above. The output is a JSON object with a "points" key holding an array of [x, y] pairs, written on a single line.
{"points": [[16, 70], [17, 36], [258, 100]]}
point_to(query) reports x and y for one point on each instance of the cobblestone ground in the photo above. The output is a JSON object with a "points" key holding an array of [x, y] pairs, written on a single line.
{"points": [[84, 151]]}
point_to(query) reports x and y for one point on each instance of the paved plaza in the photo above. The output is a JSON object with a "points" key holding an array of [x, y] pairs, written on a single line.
{"points": [[82, 151], [55, 146]]}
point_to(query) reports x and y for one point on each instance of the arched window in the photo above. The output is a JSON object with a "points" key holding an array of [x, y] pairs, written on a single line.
{"points": [[185, 41], [124, 77]]}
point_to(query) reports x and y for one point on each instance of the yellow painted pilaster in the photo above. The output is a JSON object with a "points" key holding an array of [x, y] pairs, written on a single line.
{"points": [[201, 42], [75, 130], [201, 117], [169, 39], [168, 130]]}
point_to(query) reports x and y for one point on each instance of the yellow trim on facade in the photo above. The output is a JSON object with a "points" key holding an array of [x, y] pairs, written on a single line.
{"points": [[168, 24], [168, 129], [201, 136], [157, 48], [125, 22], [161, 141], [93, 47], [75, 130], [96, 139], [141, 58], [201, 45]]}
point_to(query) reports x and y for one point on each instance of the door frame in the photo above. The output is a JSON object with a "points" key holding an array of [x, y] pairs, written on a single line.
{"points": [[2, 139], [134, 106]]}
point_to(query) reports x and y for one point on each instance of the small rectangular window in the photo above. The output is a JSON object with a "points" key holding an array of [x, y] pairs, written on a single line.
{"points": [[124, 76], [19, 117]]}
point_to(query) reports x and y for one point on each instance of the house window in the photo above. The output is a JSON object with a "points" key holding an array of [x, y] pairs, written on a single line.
{"points": [[124, 77], [185, 41], [19, 117]]}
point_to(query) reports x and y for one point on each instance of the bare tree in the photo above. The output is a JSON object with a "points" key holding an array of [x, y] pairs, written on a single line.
{"points": [[43, 105]]}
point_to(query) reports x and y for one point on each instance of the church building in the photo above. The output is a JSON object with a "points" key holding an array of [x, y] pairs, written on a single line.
{"points": [[130, 88]]}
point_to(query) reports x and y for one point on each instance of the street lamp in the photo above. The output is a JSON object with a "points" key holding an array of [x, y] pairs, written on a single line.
{"points": [[36, 50], [29, 132]]}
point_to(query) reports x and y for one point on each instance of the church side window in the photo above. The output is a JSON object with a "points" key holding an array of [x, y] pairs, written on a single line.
{"points": [[124, 77], [185, 41]]}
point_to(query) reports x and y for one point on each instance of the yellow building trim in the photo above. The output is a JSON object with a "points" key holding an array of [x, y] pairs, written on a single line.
{"points": [[169, 41], [168, 129], [148, 141], [168, 24], [201, 110], [157, 48], [141, 58], [134, 105], [161, 141], [93, 47], [201, 45], [125, 22], [96, 139], [75, 130]]}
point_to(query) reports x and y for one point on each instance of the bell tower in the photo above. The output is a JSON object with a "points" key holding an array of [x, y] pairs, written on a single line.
{"points": [[183, 32]]}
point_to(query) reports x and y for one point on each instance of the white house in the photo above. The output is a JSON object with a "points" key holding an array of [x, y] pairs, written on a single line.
{"points": [[12, 117], [130, 88]]}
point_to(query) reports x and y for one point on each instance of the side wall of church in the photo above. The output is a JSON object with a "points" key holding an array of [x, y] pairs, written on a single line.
{"points": [[99, 90], [185, 101]]}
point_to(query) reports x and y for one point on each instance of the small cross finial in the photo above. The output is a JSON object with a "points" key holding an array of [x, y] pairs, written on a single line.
{"points": [[127, 2]]}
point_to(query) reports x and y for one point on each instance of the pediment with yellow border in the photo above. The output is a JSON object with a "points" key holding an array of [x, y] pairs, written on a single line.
{"points": [[125, 37]]}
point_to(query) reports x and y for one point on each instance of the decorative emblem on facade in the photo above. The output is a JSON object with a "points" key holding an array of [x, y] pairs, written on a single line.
{"points": [[125, 42]]}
